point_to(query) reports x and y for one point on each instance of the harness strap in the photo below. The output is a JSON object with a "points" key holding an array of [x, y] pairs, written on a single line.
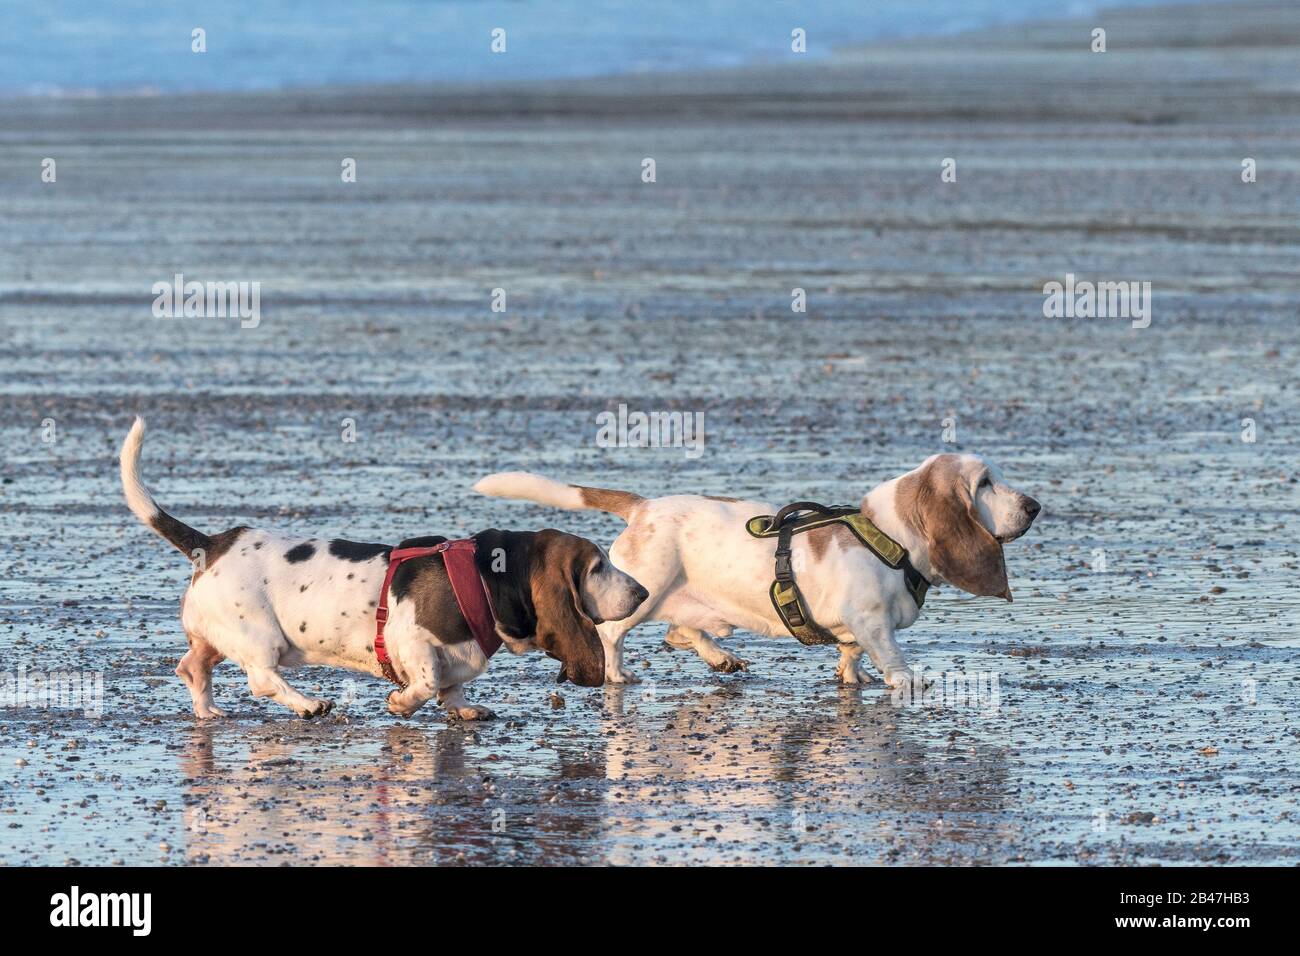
{"points": [[804, 516], [785, 594], [467, 586]]}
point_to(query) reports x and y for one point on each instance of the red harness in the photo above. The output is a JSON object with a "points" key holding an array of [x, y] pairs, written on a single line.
{"points": [[466, 584]]}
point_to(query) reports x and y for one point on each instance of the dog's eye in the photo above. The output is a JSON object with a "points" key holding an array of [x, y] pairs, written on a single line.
{"points": [[986, 481], [598, 566]]}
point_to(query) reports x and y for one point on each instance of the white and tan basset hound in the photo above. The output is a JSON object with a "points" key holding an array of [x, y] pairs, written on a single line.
{"points": [[707, 576], [270, 602]]}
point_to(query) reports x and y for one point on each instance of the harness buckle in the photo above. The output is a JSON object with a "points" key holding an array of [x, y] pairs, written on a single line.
{"points": [[381, 615], [784, 571]]}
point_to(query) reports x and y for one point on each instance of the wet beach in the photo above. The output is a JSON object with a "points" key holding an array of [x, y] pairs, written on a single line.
{"points": [[1147, 673]]}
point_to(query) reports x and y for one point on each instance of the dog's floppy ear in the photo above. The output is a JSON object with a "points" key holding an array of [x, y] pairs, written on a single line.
{"points": [[564, 630], [505, 563], [937, 502]]}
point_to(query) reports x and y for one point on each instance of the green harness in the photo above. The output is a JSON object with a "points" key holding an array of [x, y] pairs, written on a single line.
{"points": [[784, 525]]}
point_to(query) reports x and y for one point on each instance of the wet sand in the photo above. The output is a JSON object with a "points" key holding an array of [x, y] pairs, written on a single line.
{"points": [[1146, 712]]}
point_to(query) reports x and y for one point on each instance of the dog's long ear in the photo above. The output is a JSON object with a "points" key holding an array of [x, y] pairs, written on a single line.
{"points": [[564, 630], [937, 502], [505, 563]]}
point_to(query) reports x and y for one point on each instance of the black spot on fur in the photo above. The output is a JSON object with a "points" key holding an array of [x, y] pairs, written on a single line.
{"points": [[257, 545], [300, 553], [302, 628], [218, 545], [424, 541], [302, 587], [354, 551]]}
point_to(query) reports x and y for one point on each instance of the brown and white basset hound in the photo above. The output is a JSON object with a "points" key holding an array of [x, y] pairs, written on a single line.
{"points": [[707, 576], [270, 602]]}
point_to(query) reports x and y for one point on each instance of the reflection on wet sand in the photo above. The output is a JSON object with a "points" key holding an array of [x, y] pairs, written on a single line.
{"points": [[847, 780], [392, 796], [692, 776]]}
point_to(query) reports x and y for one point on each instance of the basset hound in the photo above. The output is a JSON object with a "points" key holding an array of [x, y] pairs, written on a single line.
{"points": [[708, 576], [270, 602]]}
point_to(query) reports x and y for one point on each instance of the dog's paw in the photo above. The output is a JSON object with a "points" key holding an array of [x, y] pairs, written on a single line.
{"points": [[398, 709], [316, 708], [849, 673], [209, 713], [729, 664], [904, 678], [470, 712], [620, 675]]}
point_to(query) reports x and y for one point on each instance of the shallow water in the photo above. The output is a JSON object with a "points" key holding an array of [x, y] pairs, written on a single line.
{"points": [[73, 47]]}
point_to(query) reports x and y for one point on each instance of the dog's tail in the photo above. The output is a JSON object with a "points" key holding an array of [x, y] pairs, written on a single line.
{"points": [[530, 487], [185, 539]]}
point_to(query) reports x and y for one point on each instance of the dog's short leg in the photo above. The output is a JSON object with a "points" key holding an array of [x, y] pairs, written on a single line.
{"points": [[847, 670], [453, 698], [873, 633], [266, 681], [195, 669], [611, 639], [657, 576], [420, 667], [691, 638]]}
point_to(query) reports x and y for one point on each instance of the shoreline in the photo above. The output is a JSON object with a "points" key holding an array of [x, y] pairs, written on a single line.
{"points": [[762, 62], [1036, 34], [988, 74]]}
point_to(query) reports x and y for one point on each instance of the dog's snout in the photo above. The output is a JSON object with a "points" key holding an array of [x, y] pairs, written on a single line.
{"points": [[640, 594], [1031, 507]]}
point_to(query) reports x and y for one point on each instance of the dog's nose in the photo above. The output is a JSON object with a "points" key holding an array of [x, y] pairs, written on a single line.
{"points": [[641, 595], [1032, 507]]}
